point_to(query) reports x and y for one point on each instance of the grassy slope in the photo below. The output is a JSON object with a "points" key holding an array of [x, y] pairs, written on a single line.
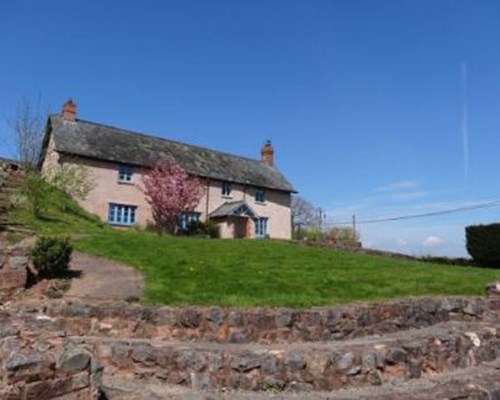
{"points": [[62, 216], [249, 273]]}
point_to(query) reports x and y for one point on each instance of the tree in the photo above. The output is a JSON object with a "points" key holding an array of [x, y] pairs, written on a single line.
{"points": [[75, 180], [28, 129], [170, 191], [303, 213]]}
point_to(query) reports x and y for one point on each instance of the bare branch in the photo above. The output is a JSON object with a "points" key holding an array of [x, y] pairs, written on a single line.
{"points": [[303, 213], [28, 128]]}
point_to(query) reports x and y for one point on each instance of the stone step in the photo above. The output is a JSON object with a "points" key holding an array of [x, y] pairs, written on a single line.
{"points": [[477, 382], [372, 360], [266, 326]]}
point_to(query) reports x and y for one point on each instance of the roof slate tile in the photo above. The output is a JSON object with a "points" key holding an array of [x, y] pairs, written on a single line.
{"points": [[89, 139]]}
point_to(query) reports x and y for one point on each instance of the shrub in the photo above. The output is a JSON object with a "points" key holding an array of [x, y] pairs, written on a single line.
{"points": [[195, 228], [460, 261], [212, 229], [75, 180], [483, 244], [199, 228], [342, 233], [51, 256], [313, 234]]}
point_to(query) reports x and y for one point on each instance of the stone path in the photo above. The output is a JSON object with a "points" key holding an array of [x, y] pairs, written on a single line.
{"points": [[103, 280]]}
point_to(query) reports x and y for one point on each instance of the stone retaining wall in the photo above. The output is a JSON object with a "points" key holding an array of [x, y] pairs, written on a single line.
{"points": [[14, 265], [11, 176], [264, 325], [38, 365], [50, 349], [321, 366]]}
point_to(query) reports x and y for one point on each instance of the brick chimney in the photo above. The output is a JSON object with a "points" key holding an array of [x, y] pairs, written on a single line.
{"points": [[68, 112], [267, 154]]}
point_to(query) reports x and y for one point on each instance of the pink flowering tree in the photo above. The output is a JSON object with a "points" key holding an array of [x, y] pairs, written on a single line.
{"points": [[170, 191]]}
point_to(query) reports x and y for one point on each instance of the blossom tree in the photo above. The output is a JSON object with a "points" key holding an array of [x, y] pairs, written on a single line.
{"points": [[170, 191]]}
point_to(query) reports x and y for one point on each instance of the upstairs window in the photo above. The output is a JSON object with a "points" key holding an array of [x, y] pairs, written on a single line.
{"points": [[121, 214], [260, 196], [125, 173], [226, 189]]}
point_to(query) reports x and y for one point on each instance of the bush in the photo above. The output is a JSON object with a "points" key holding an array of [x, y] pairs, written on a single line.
{"points": [[199, 228], [212, 229], [342, 234], [196, 228], [460, 261], [483, 244], [51, 256], [313, 234]]}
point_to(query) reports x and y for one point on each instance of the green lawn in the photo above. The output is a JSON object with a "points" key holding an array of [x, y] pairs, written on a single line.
{"points": [[251, 273], [259, 273]]}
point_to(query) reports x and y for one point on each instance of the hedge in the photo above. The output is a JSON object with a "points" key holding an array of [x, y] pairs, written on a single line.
{"points": [[483, 244]]}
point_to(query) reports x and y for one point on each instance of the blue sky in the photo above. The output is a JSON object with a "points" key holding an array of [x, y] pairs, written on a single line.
{"points": [[363, 100]]}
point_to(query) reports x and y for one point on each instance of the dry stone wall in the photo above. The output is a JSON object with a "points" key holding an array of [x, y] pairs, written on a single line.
{"points": [[36, 364], [11, 177], [58, 349], [263, 326], [14, 265], [324, 366]]}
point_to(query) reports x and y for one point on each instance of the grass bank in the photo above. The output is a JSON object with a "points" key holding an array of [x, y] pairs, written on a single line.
{"points": [[250, 272], [270, 273]]}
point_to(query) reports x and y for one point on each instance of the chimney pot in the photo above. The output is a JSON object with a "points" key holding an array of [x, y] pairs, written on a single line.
{"points": [[267, 153], [69, 110]]}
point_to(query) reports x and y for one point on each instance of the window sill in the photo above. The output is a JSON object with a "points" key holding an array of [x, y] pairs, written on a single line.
{"points": [[260, 203], [226, 197], [120, 225], [125, 183]]}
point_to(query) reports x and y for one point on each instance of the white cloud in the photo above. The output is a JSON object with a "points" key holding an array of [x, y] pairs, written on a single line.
{"points": [[433, 241], [402, 242], [397, 186], [407, 196], [439, 234]]}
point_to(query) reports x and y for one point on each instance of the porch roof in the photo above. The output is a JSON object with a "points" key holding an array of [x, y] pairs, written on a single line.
{"points": [[238, 208]]}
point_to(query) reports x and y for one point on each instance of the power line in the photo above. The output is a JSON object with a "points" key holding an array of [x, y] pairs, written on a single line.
{"points": [[490, 204]]}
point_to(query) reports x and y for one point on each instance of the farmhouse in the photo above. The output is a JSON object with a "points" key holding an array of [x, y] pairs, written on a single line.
{"points": [[248, 198]]}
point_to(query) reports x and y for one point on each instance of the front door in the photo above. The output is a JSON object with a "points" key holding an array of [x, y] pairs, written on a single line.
{"points": [[240, 227]]}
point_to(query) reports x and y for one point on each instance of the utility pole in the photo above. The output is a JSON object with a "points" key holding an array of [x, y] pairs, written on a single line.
{"points": [[354, 225]]}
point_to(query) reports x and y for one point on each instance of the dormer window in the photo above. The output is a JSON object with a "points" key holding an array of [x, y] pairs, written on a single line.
{"points": [[125, 173], [226, 189], [260, 196]]}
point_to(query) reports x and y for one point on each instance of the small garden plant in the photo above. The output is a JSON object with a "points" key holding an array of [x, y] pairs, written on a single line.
{"points": [[51, 256]]}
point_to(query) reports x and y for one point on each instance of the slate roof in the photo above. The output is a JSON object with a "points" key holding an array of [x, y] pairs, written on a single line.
{"points": [[97, 141], [233, 208]]}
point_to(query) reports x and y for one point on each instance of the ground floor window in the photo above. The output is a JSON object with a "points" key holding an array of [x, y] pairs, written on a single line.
{"points": [[187, 218], [261, 227], [121, 214]]}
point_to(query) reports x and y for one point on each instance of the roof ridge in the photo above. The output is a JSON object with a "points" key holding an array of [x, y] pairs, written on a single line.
{"points": [[142, 149], [153, 136]]}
